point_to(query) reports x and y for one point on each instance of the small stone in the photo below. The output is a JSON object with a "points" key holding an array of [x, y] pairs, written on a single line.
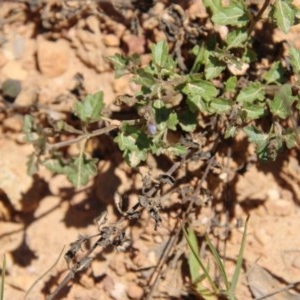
{"points": [[13, 123], [53, 57], [135, 291], [13, 70], [111, 40]]}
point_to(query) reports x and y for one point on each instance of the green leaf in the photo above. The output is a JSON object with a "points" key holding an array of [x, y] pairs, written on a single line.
{"points": [[274, 74], [172, 121], [199, 59], [78, 171], [214, 5], [81, 170], [197, 258], [220, 106], [295, 59], [230, 131], [28, 128], [144, 78], [284, 14], [160, 53], [89, 110], [292, 138], [177, 149], [254, 111], [134, 143], [231, 15], [251, 93], [236, 38], [260, 139], [196, 102], [119, 64], [281, 104], [199, 87], [230, 84], [213, 68]]}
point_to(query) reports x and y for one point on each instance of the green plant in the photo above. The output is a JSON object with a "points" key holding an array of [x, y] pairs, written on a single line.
{"points": [[223, 91], [196, 264]]}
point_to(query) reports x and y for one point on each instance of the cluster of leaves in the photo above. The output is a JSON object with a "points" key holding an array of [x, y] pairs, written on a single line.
{"points": [[169, 100]]}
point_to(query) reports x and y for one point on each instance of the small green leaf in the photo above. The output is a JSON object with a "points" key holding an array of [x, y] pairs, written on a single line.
{"points": [[295, 59], [284, 14], [230, 131], [281, 104], [230, 84], [214, 5], [160, 53], [260, 139], [196, 102], [119, 64], [89, 110], [81, 170], [177, 149], [78, 171], [253, 111], [236, 38], [172, 121], [220, 106], [200, 87], [231, 15], [213, 68], [28, 128], [251, 93], [291, 137], [144, 78], [274, 74]]}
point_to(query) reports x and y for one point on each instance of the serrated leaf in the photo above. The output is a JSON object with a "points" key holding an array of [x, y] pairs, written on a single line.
{"points": [[172, 121], [281, 104], [251, 93], [199, 87], [160, 53], [232, 15], [295, 59], [81, 170], [119, 63], [89, 110], [253, 111], [236, 38], [213, 68], [78, 171], [144, 79], [284, 14], [260, 139], [220, 106], [196, 102], [274, 74], [230, 84], [214, 5], [134, 158]]}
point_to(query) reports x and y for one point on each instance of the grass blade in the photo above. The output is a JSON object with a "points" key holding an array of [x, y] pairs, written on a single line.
{"points": [[218, 261], [3, 278], [239, 262], [197, 259]]}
